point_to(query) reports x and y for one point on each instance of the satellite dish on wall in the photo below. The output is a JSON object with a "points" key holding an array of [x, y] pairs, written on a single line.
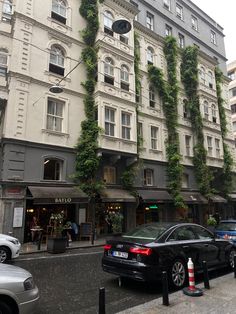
{"points": [[121, 26]]}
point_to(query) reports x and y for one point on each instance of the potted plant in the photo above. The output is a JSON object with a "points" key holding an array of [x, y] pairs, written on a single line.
{"points": [[211, 223], [116, 219], [57, 243]]}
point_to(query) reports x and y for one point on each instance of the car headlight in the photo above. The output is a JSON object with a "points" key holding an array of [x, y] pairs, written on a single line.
{"points": [[29, 283], [14, 241]]}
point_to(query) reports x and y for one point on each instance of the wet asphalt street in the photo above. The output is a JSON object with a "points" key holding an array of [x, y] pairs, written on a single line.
{"points": [[69, 283]]}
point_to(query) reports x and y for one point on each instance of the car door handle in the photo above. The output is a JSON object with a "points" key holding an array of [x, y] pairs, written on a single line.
{"points": [[206, 245], [185, 247]]}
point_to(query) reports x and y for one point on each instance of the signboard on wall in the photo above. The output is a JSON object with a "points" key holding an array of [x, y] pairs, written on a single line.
{"points": [[18, 217], [82, 215]]}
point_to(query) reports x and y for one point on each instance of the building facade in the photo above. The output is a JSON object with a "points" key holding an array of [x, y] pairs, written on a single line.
{"points": [[41, 46]]}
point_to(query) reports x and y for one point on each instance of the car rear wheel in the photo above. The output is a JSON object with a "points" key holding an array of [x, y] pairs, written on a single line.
{"points": [[178, 274], [4, 254], [231, 258], [5, 308]]}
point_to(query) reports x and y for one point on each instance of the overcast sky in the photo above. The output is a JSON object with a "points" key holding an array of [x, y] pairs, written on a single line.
{"points": [[224, 13]]}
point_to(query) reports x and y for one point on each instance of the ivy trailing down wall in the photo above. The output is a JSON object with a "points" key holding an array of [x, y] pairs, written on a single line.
{"points": [[168, 91], [87, 160], [189, 76], [226, 178]]}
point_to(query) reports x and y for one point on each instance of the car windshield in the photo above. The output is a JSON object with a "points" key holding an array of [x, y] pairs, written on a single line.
{"points": [[148, 232], [226, 226]]}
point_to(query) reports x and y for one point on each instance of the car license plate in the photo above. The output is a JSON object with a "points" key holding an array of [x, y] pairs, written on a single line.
{"points": [[120, 254]]}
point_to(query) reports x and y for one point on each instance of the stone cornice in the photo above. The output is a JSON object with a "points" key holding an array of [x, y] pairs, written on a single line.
{"points": [[105, 95], [123, 6]]}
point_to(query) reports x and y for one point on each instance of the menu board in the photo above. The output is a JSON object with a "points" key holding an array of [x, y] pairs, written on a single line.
{"points": [[18, 217]]}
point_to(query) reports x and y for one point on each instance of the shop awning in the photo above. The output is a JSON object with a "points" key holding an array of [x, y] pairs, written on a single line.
{"points": [[233, 196], [193, 198], [117, 195], [57, 195], [218, 199], [155, 196]]}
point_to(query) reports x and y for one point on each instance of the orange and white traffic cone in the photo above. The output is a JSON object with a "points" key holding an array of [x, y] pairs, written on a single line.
{"points": [[192, 290]]}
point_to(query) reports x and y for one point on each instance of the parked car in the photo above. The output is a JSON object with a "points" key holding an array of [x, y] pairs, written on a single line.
{"points": [[18, 292], [9, 248], [143, 253], [226, 229]]}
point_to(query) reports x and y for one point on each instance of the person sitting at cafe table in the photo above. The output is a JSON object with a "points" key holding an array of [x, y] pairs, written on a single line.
{"points": [[67, 230], [34, 225]]}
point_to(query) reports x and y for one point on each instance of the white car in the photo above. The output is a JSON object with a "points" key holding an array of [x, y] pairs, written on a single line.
{"points": [[9, 247], [18, 292]]}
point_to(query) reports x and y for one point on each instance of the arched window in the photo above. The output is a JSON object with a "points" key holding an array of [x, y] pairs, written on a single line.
{"points": [[52, 169], [3, 61], [150, 55], [56, 64], [109, 71], [59, 10], [213, 112], [206, 110], [210, 79], [124, 77], [7, 10], [202, 73], [108, 21]]}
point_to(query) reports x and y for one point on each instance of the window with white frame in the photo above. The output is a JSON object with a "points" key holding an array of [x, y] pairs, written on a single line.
{"points": [[148, 177], [152, 102], [53, 169], [214, 114], [231, 75], [234, 126], [233, 108], [150, 21], [150, 55], [181, 41], [209, 145], [179, 11], [126, 125], [57, 57], [124, 38], [202, 73], [55, 109], [154, 137], [217, 147], [166, 4], [232, 92], [188, 140], [186, 112], [168, 30], [59, 10], [109, 175], [185, 181], [3, 61], [109, 71], [124, 77], [7, 10], [210, 79], [194, 22], [109, 121], [108, 21], [213, 37], [206, 110]]}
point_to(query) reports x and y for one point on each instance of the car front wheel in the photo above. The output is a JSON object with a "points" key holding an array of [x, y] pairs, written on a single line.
{"points": [[4, 254], [231, 258], [5, 308], [178, 274]]}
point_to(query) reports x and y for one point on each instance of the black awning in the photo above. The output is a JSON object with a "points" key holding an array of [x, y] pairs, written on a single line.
{"points": [[57, 195], [217, 199], [155, 196], [194, 198], [117, 196]]}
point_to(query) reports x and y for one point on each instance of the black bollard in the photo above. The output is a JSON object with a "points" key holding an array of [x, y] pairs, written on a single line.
{"points": [[205, 274], [234, 265], [165, 292], [40, 240], [102, 309]]}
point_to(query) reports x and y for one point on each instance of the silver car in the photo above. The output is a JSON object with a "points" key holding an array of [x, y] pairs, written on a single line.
{"points": [[18, 292]]}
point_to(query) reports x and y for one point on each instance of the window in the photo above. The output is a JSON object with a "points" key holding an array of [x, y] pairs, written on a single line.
{"points": [[168, 30], [109, 71], [186, 112], [52, 169], [124, 38], [56, 63], [206, 110], [126, 125], [182, 234], [150, 21], [188, 139], [233, 108], [185, 181], [109, 175], [108, 21], [152, 102], [181, 41], [7, 10], [231, 75], [217, 146], [59, 10], [213, 37], [210, 79], [209, 145], [140, 130], [232, 92], [109, 121], [154, 134], [55, 115], [148, 177], [234, 126], [194, 22], [202, 233], [166, 4], [213, 111], [3, 62], [179, 11], [202, 73], [150, 55], [124, 77]]}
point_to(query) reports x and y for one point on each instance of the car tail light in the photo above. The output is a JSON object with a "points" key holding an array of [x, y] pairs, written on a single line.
{"points": [[141, 250], [107, 247]]}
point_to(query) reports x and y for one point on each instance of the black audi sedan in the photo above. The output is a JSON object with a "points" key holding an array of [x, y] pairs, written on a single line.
{"points": [[143, 253]]}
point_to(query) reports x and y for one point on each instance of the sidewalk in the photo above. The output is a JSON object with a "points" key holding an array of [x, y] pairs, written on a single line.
{"points": [[220, 299]]}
